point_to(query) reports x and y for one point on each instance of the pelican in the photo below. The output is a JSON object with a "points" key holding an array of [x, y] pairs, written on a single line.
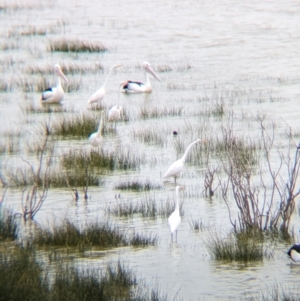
{"points": [[294, 253], [114, 114], [138, 87], [174, 219], [99, 94], [96, 138], [55, 94], [177, 167]]}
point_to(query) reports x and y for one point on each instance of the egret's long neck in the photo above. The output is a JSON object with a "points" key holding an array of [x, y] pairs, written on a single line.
{"points": [[107, 76], [187, 151], [99, 132], [177, 200]]}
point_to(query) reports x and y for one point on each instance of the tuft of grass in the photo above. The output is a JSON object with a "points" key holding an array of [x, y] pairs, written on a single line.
{"points": [[137, 185], [147, 207], [75, 45], [100, 235], [140, 240], [8, 225], [68, 235], [21, 271], [151, 135], [67, 68], [238, 246], [77, 125], [155, 112], [198, 225]]}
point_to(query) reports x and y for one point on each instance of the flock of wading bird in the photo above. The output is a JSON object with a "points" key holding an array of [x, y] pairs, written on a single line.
{"points": [[55, 95]]}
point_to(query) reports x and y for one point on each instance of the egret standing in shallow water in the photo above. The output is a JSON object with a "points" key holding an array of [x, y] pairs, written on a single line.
{"points": [[294, 253], [174, 219], [96, 138], [130, 86], [99, 94], [177, 167], [55, 94]]}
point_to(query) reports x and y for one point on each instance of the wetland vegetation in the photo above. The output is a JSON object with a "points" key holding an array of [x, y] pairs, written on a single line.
{"points": [[244, 179]]}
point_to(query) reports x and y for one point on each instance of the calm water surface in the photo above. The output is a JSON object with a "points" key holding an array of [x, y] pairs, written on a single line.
{"points": [[244, 55]]}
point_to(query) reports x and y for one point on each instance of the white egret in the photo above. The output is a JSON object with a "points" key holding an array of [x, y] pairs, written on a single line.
{"points": [[294, 253], [99, 94], [96, 138], [115, 113], [55, 94], [130, 86], [177, 167], [174, 219]]}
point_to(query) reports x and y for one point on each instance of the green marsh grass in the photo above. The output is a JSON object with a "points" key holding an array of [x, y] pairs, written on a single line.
{"points": [[67, 68], [242, 246], [76, 125], [137, 185], [199, 225], [69, 235], [147, 207], [151, 135], [100, 160], [141, 240], [30, 279], [75, 45], [102, 235], [156, 112], [8, 225], [85, 168]]}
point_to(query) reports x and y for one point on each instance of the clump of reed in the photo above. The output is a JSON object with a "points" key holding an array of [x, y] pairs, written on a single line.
{"points": [[151, 135], [238, 246], [100, 160], [100, 235], [71, 236], [156, 112], [75, 45], [67, 68], [147, 207], [10, 142], [77, 125], [137, 185], [140, 240], [8, 225], [5, 86], [22, 270], [198, 225]]}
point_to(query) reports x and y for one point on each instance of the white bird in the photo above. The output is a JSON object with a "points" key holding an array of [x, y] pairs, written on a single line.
{"points": [[174, 219], [99, 94], [294, 253], [115, 113], [55, 94], [138, 87], [177, 167], [96, 138]]}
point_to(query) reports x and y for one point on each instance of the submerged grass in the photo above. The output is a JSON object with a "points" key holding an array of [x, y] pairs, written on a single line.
{"points": [[147, 207], [137, 185], [75, 45]]}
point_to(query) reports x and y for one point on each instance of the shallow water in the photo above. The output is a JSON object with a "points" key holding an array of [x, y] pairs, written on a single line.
{"points": [[244, 55]]}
